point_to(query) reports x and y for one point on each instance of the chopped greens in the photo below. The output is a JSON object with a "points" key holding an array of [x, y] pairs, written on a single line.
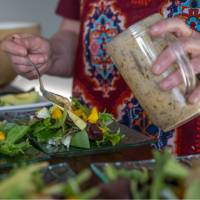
{"points": [[78, 106], [19, 99], [105, 118], [15, 140], [167, 180], [28, 183], [21, 182], [2, 103]]}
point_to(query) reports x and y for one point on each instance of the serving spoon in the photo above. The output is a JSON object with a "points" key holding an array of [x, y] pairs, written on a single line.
{"points": [[57, 99]]}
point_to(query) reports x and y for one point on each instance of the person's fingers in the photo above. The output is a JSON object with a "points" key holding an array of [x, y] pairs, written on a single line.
{"points": [[30, 75], [12, 48], [168, 56], [175, 79], [195, 96], [171, 25], [36, 59], [34, 44], [21, 35], [22, 69], [166, 59], [171, 81], [39, 59], [15, 45], [191, 45], [196, 64]]}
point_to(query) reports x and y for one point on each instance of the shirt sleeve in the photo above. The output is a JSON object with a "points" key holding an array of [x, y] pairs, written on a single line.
{"points": [[69, 9]]}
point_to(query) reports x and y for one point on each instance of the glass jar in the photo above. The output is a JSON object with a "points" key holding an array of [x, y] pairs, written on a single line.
{"points": [[134, 51]]}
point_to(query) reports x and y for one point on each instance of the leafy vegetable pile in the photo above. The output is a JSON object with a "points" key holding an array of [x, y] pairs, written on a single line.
{"points": [[78, 127], [28, 183], [169, 179], [13, 138], [19, 99]]}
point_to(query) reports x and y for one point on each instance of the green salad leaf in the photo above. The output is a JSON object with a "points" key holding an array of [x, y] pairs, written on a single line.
{"points": [[20, 183], [2, 103], [165, 180], [77, 104], [46, 129], [81, 140], [105, 118], [110, 137], [113, 138], [13, 149], [14, 142], [28, 183], [16, 133], [193, 191], [166, 166]]}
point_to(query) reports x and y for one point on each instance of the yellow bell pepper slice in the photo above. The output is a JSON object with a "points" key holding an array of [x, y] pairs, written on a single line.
{"points": [[2, 136], [56, 113], [94, 116]]}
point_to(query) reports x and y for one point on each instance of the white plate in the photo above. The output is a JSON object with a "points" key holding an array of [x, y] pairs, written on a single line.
{"points": [[25, 107]]}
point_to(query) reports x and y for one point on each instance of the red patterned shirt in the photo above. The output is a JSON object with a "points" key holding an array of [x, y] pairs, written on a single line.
{"points": [[97, 81]]}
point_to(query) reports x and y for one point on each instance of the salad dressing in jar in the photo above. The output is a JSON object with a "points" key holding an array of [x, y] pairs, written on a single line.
{"points": [[134, 51]]}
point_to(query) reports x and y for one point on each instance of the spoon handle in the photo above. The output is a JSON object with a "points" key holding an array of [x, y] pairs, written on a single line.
{"points": [[55, 98], [38, 74]]}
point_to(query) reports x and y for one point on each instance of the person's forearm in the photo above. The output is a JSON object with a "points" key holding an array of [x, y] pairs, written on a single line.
{"points": [[64, 47]]}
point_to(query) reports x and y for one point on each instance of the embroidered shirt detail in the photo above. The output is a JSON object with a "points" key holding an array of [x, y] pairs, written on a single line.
{"points": [[103, 23]]}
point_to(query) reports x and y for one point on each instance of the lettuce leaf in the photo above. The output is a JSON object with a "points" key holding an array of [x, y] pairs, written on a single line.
{"points": [[105, 118], [16, 133], [16, 140], [81, 140], [14, 149], [20, 183]]}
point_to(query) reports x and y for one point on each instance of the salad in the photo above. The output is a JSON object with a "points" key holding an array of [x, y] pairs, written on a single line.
{"points": [[28, 182], [168, 179], [19, 99], [78, 126]]}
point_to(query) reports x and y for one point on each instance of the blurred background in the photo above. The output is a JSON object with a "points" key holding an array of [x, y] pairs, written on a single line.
{"points": [[42, 12]]}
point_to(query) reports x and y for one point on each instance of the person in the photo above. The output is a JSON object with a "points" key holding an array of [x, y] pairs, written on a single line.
{"points": [[78, 49]]}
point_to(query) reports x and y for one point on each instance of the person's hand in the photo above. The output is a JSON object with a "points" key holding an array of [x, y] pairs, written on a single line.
{"points": [[19, 46], [190, 41]]}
